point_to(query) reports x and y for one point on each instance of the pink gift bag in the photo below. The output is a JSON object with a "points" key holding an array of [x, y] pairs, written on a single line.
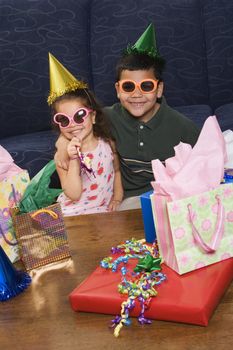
{"points": [[193, 213], [195, 231]]}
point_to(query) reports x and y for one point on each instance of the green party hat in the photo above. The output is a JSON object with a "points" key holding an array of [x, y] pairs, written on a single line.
{"points": [[145, 44]]}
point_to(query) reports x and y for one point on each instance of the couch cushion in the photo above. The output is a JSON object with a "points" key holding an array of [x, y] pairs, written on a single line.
{"points": [[197, 113], [224, 115], [29, 30], [31, 151], [218, 21], [180, 39]]}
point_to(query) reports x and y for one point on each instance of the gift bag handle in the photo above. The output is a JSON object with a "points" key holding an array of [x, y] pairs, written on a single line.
{"points": [[5, 239], [50, 212], [218, 230], [14, 193]]}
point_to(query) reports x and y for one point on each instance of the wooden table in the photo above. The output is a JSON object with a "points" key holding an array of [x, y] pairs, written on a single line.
{"points": [[41, 317]]}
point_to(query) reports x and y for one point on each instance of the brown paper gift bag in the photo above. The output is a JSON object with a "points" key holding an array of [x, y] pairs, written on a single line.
{"points": [[42, 236]]}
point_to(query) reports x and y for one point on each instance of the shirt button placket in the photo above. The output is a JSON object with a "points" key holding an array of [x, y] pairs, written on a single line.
{"points": [[140, 136]]}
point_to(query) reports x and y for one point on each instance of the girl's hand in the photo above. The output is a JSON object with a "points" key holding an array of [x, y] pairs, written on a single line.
{"points": [[114, 205], [72, 147]]}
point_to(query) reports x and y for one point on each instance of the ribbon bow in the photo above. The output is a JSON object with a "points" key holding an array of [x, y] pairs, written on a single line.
{"points": [[149, 264]]}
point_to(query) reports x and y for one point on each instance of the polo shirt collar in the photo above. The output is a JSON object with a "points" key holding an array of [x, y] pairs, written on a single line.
{"points": [[152, 123]]}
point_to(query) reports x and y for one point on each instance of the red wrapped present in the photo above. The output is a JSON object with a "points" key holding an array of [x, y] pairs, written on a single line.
{"points": [[190, 298]]}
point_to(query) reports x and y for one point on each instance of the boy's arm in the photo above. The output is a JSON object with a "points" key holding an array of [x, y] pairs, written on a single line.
{"points": [[61, 157], [118, 192]]}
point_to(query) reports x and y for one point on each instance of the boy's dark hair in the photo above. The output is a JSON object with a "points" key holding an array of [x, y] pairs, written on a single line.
{"points": [[101, 128], [140, 61]]}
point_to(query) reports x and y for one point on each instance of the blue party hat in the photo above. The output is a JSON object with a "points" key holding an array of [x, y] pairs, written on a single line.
{"points": [[12, 281]]}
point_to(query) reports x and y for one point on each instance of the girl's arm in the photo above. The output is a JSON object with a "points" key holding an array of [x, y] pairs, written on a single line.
{"points": [[61, 156], [71, 180], [118, 192]]}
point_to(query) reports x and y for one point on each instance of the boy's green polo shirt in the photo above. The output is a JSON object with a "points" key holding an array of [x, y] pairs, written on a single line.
{"points": [[138, 143]]}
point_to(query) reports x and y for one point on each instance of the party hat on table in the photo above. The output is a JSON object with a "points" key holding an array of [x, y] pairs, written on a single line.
{"points": [[145, 44], [12, 281], [61, 80]]}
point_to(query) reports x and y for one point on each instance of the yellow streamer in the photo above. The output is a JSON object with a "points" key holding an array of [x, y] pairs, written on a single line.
{"points": [[123, 317]]}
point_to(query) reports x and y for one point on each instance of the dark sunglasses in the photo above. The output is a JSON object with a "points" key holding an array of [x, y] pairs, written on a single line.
{"points": [[146, 86], [64, 120]]}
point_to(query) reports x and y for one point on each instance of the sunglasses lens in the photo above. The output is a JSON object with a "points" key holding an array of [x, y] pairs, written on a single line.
{"points": [[62, 120], [80, 115], [128, 86], [147, 86]]}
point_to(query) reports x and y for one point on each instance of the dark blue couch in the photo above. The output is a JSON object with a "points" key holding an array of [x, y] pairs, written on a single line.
{"points": [[194, 36]]}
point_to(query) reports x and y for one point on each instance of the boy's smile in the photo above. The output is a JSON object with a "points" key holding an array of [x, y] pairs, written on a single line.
{"points": [[140, 105]]}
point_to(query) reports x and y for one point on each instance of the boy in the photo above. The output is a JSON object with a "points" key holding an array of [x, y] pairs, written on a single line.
{"points": [[143, 125]]}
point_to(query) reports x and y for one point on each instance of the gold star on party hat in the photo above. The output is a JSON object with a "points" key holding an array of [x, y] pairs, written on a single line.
{"points": [[61, 80]]}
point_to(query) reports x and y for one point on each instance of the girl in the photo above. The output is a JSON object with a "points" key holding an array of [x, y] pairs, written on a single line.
{"points": [[92, 182]]}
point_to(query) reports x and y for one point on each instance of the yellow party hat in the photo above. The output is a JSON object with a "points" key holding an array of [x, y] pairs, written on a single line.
{"points": [[61, 80]]}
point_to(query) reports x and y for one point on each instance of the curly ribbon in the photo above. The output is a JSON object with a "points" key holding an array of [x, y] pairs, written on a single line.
{"points": [[122, 320], [143, 280], [141, 318], [50, 212], [139, 284], [107, 263]]}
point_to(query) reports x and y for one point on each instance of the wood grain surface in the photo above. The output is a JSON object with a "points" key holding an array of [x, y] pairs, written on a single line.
{"points": [[41, 317]]}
